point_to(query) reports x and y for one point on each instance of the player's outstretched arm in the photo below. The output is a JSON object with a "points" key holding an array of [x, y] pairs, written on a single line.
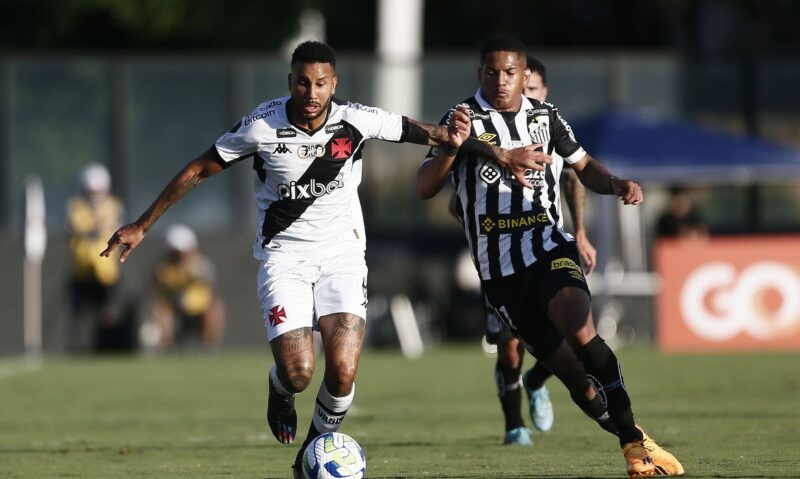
{"points": [[595, 176], [576, 200], [129, 236]]}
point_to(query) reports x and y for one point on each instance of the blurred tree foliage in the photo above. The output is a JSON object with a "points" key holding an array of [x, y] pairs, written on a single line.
{"points": [[148, 24], [698, 27]]}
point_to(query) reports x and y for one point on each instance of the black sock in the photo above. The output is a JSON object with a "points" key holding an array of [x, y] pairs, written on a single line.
{"points": [[508, 388], [596, 409], [537, 375], [601, 363], [312, 434]]}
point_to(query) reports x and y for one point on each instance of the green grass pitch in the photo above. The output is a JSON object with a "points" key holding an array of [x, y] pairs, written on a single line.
{"points": [[436, 417]]}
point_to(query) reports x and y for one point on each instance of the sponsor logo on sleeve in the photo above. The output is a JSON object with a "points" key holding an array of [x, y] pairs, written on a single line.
{"points": [[258, 116], [359, 106], [264, 111]]}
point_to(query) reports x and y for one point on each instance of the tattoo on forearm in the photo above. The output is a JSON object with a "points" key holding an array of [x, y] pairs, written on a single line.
{"points": [[475, 146], [172, 196]]}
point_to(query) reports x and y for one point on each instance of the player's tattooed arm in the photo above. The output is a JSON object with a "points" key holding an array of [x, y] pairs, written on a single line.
{"points": [[595, 176], [575, 194], [129, 236], [429, 134], [432, 174]]}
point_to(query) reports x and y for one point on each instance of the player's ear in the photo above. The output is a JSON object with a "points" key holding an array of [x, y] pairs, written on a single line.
{"points": [[289, 81], [333, 84], [526, 77]]}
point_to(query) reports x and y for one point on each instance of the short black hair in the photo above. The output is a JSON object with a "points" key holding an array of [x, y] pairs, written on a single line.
{"points": [[502, 43], [535, 66], [314, 52]]}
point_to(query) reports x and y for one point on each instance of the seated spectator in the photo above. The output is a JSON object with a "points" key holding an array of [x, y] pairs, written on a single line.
{"points": [[186, 305], [681, 218], [92, 215]]}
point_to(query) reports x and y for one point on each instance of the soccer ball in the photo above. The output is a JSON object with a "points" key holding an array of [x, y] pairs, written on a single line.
{"points": [[334, 455]]}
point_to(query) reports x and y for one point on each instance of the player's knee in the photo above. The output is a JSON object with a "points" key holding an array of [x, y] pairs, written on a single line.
{"points": [[340, 377], [570, 311], [298, 377], [508, 354]]}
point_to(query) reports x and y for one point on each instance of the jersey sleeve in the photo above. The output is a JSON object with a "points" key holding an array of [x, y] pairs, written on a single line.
{"points": [[565, 144], [239, 143], [375, 123]]}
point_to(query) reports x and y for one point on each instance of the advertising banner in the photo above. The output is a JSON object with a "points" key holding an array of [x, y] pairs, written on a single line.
{"points": [[729, 294]]}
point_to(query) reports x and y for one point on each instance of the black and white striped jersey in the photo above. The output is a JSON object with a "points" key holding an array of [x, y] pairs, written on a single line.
{"points": [[508, 227], [306, 181]]}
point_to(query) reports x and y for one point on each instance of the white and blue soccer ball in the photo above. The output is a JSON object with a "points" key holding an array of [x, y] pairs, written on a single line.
{"points": [[334, 455]]}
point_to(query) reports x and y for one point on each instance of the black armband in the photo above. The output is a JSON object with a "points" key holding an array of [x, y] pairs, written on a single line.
{"points": [[413, 133]]}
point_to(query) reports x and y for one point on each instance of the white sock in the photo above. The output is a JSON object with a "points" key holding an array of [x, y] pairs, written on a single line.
{"points": [[277, 384], [329, 411]]}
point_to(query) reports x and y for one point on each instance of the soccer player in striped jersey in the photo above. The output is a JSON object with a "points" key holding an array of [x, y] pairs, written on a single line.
{"points": [[528, 265], [510, 352], [307, 157]]}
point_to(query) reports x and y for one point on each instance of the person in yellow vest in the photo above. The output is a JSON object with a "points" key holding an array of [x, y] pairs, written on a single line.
{"points": [[186, 303], [92, 215]]}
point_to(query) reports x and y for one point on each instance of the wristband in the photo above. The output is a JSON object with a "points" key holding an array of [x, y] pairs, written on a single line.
{"points": [[449, 150], [611, 180]]}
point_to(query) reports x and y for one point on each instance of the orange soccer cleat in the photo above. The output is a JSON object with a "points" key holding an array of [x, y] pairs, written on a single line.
{"points": [[666, 464]]}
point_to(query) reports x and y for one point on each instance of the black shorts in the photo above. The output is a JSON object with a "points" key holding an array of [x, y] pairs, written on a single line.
{"points": [[496, 330], [520, 300]]}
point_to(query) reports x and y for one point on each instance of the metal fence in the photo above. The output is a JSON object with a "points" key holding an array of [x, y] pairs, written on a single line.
{"points": [[145, 117]]}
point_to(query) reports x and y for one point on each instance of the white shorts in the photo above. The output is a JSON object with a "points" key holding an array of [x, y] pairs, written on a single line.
{"points": [[296, 293]]}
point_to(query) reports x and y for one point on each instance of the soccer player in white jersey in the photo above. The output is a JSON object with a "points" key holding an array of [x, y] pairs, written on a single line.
{"points": [[528, 264], [306, 151]]}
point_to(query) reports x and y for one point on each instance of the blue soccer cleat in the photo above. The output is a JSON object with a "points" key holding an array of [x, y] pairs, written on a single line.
{"points": [[520, 436], [541, 408]]}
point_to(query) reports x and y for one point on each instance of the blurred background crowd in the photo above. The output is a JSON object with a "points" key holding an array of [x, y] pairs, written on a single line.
{"points": [[104, 100]]}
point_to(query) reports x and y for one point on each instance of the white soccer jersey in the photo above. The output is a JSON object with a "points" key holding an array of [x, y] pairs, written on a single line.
{"points": [[306, 181]]}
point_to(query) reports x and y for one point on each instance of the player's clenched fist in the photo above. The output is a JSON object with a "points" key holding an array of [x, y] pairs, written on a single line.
{"points": [[628, 190], [458, 126], [128, 238]]}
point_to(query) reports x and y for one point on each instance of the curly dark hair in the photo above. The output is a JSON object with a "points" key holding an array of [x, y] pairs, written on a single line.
{"points": [[314, 52]]}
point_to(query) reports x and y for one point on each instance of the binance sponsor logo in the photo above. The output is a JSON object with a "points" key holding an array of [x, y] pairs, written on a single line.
{"points": [[488, 138], [566, 263], [497, 224]]}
